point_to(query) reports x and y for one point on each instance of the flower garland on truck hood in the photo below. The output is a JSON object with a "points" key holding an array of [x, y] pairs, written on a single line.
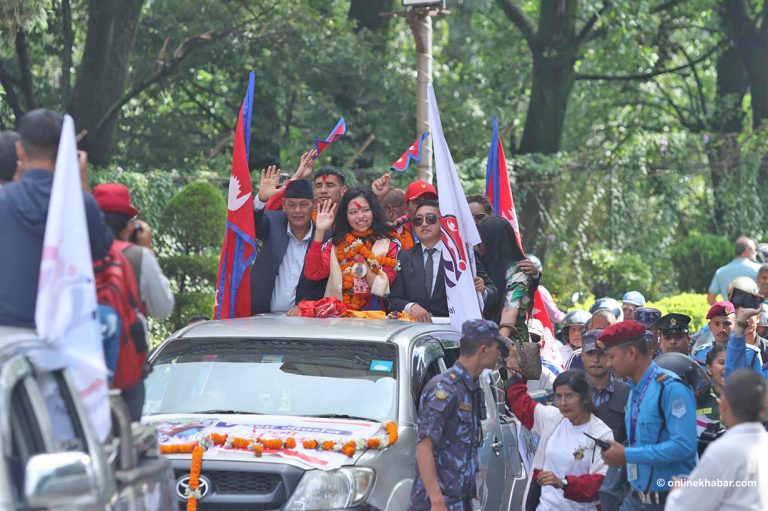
{"points": [[259, 444]]}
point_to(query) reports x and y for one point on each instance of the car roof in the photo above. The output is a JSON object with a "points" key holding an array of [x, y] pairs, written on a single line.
{"points": [[272, 326]]}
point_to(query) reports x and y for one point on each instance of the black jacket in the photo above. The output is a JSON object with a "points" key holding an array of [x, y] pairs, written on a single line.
{"points": [[272, 231], [409, 284], [612, 411]]}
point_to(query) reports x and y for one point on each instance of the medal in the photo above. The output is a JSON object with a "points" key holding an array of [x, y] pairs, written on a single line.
{"points": [[359, 270]]}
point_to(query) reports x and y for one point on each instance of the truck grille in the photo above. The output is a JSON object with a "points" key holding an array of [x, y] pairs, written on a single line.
{"points": [[251, 483]]}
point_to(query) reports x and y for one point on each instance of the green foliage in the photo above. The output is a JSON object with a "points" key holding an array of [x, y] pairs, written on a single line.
{"points": [[691, 304], [612, 274], [196, 217], [697, 257], [193, 222]]}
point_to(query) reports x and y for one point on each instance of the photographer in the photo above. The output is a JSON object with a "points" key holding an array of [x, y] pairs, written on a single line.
{"points": [[743, 295], [154, 290]]}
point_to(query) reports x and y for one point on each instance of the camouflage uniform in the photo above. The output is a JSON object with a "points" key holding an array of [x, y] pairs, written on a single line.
{"points": [[449, 414]]}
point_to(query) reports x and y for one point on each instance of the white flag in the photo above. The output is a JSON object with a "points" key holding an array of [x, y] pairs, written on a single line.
{"points": [[66, 309], [458, 227]]}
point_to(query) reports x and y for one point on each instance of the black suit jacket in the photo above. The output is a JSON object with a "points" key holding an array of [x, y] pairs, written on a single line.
{"points": [[409, 284], [272, 232]]}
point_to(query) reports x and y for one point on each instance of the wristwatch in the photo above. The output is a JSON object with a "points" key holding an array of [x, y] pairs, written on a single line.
{"points": [[564, 482]]}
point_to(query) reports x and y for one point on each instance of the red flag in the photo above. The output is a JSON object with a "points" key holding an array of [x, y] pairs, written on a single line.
{"points": [[499, 192], [233, 290]]}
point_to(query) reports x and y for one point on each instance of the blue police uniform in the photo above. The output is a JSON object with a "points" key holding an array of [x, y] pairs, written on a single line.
{"points": [[661, 429], [736, 356], [449, 414], [752, 356]]}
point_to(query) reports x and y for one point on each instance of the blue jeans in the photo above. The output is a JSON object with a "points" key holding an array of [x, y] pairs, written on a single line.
{"points": [[134, 398], [110, 337]]}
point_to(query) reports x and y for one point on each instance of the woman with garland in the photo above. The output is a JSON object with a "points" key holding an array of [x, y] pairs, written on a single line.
{"points": [[360, 262]]}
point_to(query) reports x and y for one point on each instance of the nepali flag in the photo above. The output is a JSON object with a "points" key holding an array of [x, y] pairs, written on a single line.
{"points": [[499, 193], [413, 153], [336, 133], [233, 289]]}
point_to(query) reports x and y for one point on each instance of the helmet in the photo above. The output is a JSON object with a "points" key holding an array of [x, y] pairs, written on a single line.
{"points": [[573, 318], [607, 303], [535, 260], [763, 319], [577, 317], [636, 298], [746, 284], [762, 252], [688, 370]]}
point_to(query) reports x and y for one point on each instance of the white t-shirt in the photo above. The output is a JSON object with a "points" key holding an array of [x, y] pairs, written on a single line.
{"points": [[568, 452]]}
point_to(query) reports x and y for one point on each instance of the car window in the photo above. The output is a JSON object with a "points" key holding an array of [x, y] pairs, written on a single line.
{"points": [[68, 433], [275, 377], [426, 358], [26, 435]]}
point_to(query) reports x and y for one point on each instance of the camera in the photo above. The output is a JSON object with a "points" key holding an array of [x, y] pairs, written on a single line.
{"points": [[137, 229], [742, 299]]}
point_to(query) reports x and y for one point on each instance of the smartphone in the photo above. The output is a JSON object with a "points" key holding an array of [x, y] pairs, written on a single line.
{"points": [[602, 444], [745, 300]]}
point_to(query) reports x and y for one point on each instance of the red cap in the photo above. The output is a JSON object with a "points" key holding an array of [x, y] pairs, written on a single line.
{"points": [[620, 333], [417, 189], [114, 198], [721, 308]]}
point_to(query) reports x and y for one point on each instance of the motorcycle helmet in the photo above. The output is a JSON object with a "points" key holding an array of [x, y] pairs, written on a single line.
{"points": [[608, 303], [576, 317], [690, 371]]}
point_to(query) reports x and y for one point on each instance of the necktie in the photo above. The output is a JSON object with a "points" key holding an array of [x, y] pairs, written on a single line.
{"points": [[429, 270]]}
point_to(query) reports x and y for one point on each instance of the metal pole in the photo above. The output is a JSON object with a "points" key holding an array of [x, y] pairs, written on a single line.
{"points": [[420, 23]]}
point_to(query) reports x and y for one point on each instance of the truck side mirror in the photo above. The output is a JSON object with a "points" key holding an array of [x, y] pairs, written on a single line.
{"points": [[59, 480]]}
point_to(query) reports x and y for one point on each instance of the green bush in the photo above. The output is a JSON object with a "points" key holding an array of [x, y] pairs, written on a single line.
{"points": [[691, 304], [194, 223], [696, 258], [610, 273], [196, 218]]}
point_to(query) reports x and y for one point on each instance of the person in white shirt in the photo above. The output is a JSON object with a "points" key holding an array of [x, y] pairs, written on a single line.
{"points": [[733, 473], [567, 467]]}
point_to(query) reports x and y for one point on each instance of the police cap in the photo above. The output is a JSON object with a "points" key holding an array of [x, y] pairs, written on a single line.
{"points": [[673, 323]]}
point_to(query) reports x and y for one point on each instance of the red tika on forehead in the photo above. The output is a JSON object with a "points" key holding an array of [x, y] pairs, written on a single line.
{"points": [[357, 204], [324, 178]]}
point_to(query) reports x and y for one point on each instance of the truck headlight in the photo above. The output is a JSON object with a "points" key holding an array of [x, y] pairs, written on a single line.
{"points": [[333, 489]]}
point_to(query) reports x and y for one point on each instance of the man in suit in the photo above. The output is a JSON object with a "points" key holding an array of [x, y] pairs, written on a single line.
{"points": [[419, 288], [277, 276]]}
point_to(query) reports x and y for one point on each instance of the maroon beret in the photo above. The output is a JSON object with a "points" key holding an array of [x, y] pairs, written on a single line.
{"points": [[620, 333], [721, 308]]}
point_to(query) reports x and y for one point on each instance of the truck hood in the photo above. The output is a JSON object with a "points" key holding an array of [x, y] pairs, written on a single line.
{"points": [[186, 428]]}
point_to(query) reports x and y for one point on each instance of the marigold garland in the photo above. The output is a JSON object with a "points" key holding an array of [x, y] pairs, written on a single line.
{"points": [[260, 444], [193, 492], [346, 254], [405, 239]]}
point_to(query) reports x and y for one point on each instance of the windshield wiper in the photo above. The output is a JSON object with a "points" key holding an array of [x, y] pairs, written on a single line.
{"points": [[340, 416], [227, 412]]}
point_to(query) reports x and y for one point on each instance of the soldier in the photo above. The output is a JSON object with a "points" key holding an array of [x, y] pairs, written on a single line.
{"points": [[674, 333], [449, 429], [660, 420]]}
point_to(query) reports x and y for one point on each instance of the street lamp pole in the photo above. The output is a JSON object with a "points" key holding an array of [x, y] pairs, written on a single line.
{"points": [[420, 23], [419, 20]]}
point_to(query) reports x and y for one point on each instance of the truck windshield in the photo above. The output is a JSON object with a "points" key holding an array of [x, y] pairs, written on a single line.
{"points": [[274, 377]]}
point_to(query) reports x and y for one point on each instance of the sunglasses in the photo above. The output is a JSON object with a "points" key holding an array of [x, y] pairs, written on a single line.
{"points": [[430, 219]]}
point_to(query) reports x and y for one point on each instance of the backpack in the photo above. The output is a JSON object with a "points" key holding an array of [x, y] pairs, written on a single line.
{"points": [[117, 287]]}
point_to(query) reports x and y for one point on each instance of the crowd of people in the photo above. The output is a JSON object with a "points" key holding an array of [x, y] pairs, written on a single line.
{"points": [[638, 403]]}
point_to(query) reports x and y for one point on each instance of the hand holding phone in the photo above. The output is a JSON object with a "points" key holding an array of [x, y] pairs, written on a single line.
{"points": [[602, 444]]}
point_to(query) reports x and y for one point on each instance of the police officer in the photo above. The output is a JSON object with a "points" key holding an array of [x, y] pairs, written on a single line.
{"points": [[609, 394], [674, 333], [649, 316], [449, 429], [660, 420]]}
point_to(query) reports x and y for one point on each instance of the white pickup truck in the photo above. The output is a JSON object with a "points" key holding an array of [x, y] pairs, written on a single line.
{"points": [[61, 465]]}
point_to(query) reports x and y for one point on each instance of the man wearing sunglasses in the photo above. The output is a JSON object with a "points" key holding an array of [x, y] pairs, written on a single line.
{"points": [[419, 288]]}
